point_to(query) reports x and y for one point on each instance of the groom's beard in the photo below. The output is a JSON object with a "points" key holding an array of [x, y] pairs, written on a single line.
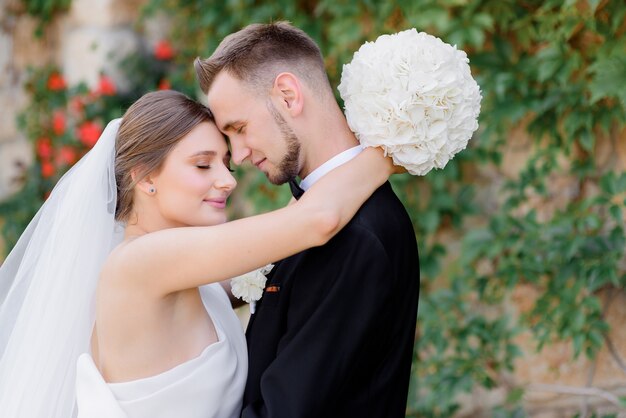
{"points": [[288, 168]]}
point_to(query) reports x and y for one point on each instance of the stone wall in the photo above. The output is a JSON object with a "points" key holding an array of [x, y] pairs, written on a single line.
{"points": [[86, 40], [555, 383], [18, 50]]}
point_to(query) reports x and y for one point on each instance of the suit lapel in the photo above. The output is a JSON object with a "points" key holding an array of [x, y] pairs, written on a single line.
{"points": [[269, 282]]}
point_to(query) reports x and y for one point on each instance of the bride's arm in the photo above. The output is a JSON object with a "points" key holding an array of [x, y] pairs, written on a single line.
{"points": [[181, 258]]}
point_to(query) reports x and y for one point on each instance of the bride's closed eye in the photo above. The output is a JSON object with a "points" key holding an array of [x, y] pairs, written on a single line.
{"points": [[204, 164], [208, 166]]}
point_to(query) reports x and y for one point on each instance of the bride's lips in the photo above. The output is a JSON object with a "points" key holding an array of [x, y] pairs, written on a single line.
{"points": [[219, 203]]}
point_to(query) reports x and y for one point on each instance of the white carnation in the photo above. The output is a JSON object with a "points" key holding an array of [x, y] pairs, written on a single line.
{"points": [[249, 287], [413, 95]]}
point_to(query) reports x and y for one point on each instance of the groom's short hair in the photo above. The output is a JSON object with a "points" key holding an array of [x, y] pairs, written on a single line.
{"points": [[259, 52]]}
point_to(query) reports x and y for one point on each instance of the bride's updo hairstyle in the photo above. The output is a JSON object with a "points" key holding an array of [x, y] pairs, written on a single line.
{"points": [[150, 128]]}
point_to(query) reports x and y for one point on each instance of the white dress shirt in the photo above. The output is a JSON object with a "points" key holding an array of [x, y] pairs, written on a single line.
{"points": [[334, 162]]}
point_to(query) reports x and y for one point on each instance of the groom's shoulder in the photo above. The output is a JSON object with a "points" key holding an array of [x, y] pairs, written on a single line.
{"points": [[384, 215], [383, 206]]}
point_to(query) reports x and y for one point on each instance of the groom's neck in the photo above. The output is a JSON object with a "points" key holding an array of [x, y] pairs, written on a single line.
{"points": [[328, 138]]}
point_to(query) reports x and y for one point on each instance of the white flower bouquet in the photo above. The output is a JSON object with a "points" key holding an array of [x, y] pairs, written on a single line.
{"points": [[413, 95]]}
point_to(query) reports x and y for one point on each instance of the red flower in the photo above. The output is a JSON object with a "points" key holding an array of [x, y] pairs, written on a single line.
{"points": [[44, 148], [106, 87], [163, 51], [47, 169], [58, 123], [89, 132], [77, 104], [67, 155], [56, 82], [164, 84]]}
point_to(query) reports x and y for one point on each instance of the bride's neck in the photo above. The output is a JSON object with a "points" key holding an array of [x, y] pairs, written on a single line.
{"points": [[138, 226], [146, 218], [134, 231]]}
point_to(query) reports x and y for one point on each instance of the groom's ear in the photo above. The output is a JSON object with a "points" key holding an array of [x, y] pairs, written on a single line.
{"points": [[288, 90]]}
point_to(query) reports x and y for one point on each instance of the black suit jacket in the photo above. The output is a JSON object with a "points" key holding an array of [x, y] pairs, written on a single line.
{"points": [[333, 334]]}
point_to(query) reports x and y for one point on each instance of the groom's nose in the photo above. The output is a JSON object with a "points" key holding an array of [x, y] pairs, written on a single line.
{"points": [[239, 153]]}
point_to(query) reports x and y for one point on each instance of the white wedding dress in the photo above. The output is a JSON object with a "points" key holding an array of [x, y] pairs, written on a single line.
{"points": [[208, 386]]}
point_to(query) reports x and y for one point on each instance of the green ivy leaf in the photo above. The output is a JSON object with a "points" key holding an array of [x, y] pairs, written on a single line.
{"points": [[616, 213], [609, 78]]}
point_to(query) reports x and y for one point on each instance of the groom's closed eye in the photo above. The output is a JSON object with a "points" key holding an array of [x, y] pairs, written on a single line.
{"points": [[233, 126], [237, 130]]}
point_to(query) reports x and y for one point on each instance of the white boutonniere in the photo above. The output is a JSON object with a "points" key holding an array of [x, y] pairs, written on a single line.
{"points": [[249, 287]]}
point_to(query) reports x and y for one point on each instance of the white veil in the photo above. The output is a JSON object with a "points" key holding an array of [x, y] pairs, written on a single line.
{"points": [[48, 283]]}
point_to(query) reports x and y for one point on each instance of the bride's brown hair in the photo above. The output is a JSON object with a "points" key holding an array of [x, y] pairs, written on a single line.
{"points": [[150, 128]]}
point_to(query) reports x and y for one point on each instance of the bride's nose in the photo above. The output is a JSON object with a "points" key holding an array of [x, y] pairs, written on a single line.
{"points": [[226, 181]]}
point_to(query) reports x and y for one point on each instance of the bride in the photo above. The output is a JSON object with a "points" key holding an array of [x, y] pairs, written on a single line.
{"points": [[110, 304]]}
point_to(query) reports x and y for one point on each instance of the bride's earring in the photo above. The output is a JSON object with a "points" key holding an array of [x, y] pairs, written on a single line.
{"points": [[152, 190]]}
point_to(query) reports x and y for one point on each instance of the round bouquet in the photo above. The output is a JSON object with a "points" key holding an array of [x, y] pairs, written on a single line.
{"points": [[413, 95]]}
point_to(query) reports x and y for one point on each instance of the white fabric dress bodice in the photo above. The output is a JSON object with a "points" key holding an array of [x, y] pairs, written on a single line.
{"points": [[208, 386]]}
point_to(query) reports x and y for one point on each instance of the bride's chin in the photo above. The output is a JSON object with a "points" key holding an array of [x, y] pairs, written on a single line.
{"points": [[223, 220], [215, 220]]}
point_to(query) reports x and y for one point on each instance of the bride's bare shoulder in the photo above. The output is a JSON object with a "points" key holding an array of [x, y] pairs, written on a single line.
{"points": [[121, 262]]}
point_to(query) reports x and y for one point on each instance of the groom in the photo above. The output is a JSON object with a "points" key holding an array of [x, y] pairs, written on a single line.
{"points": [[333, 334]]}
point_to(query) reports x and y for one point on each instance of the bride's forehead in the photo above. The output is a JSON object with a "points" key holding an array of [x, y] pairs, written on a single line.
{"points": [[203, 138]]}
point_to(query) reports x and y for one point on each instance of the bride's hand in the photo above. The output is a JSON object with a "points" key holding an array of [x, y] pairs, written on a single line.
{"points": [[386, 162], [397, 169]]}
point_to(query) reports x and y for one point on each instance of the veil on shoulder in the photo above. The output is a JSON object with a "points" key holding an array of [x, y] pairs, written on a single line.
{"points": [[48, 284]]}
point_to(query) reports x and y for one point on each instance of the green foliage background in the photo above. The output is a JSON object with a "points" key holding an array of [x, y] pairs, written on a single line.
{"points": [[554, 69]]}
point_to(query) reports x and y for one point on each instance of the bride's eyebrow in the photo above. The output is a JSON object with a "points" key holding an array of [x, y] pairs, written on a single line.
{"points": [[202, 153]]}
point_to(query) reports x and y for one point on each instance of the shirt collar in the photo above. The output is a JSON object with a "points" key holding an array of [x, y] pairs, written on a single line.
{"points": [[334, 162]]}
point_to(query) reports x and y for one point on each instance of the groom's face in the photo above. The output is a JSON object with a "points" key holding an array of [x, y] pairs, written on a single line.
{"points": [[256, 129]]}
